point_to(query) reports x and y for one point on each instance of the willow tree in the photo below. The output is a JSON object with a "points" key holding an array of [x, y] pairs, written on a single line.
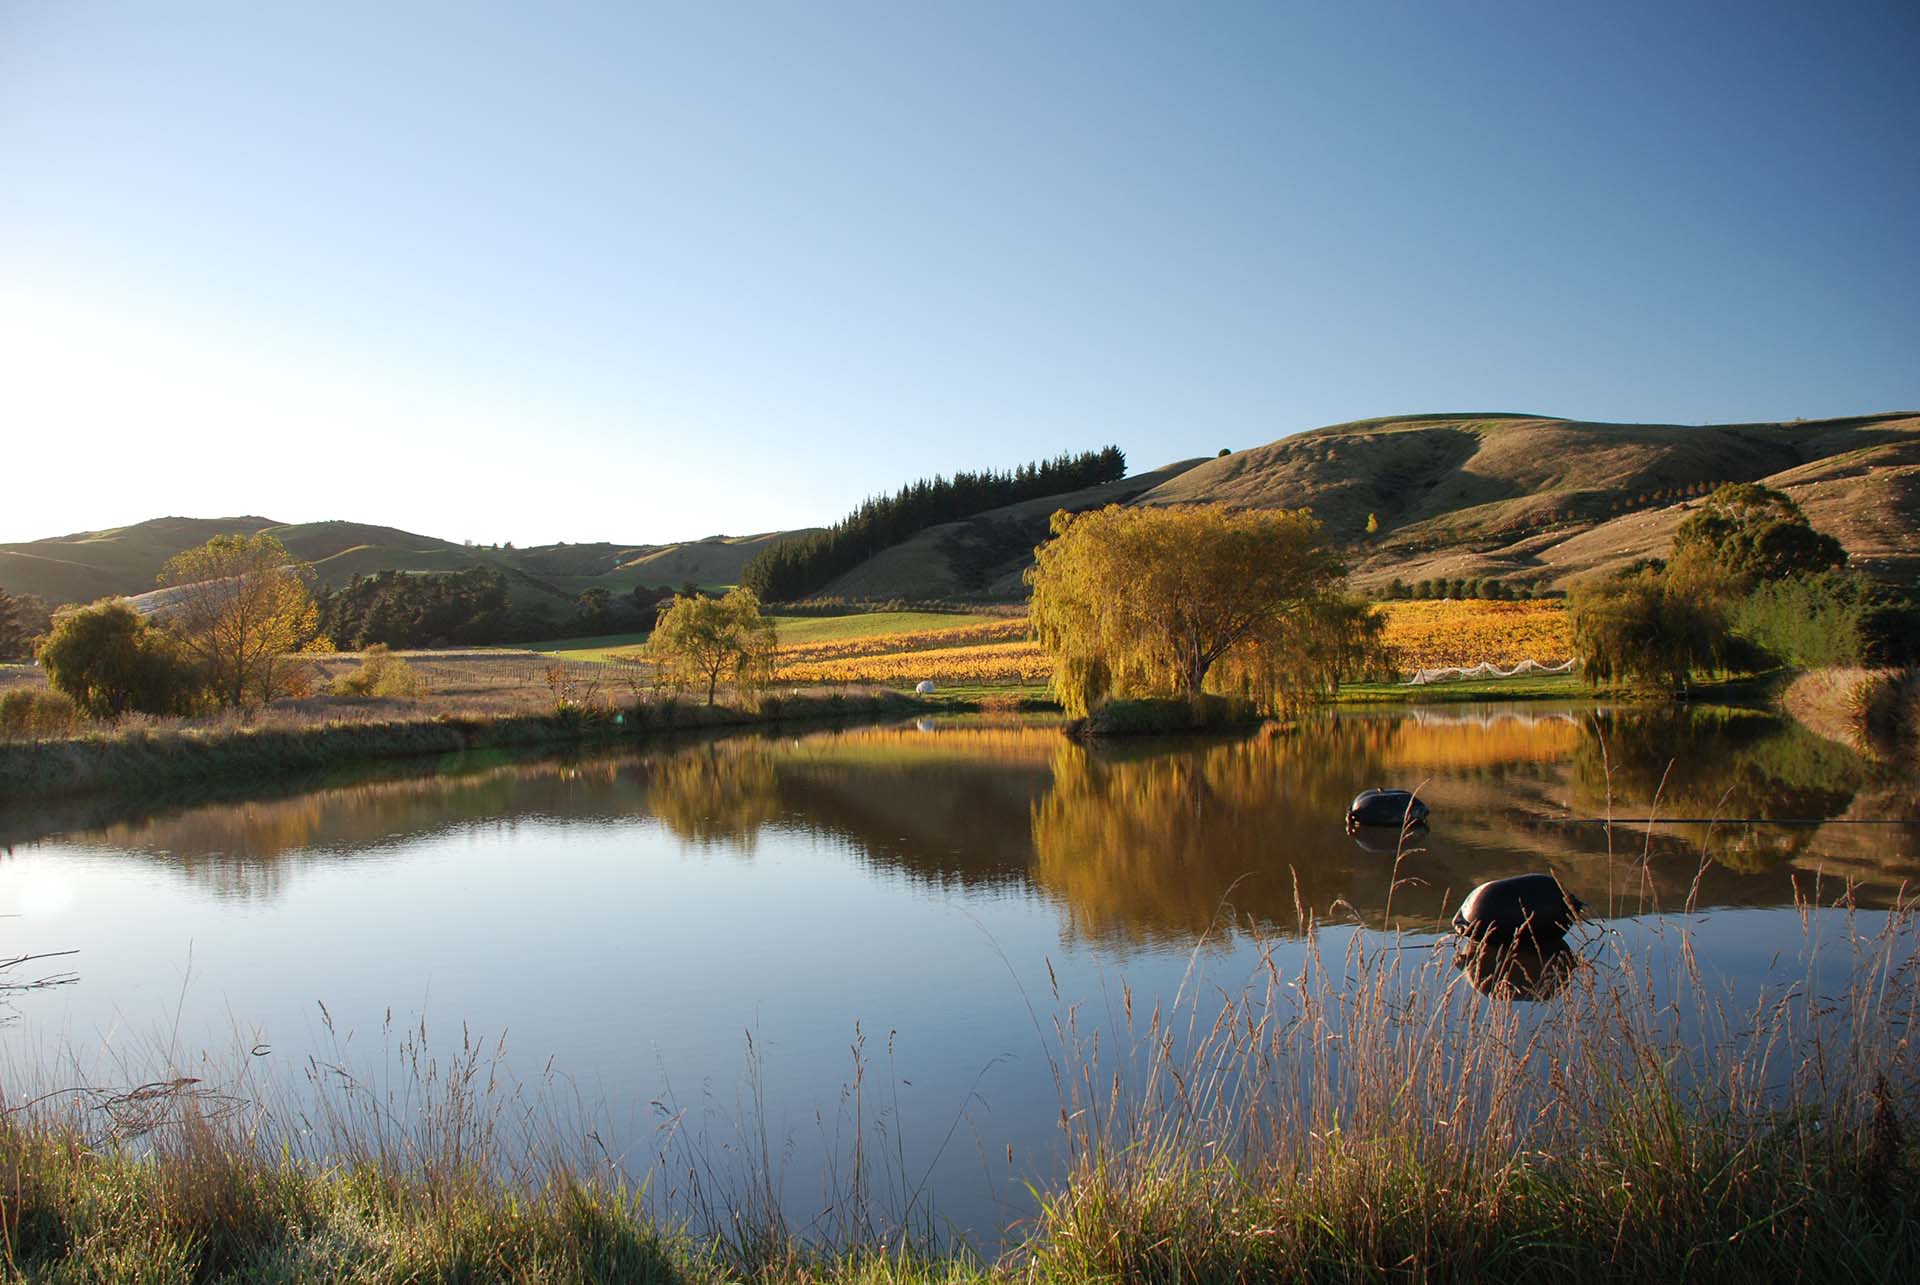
{"points": [[1179, 601], [240, 607], [698, 639]]}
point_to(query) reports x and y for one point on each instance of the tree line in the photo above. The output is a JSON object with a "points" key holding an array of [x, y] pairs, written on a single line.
{"points": [[801, 566]]}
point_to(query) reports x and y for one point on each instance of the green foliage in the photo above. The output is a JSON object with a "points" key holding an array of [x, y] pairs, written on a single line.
{"points": [[1640, 628], [23, 618], [110, 661], [32, 713], [403, 609], [1755, 534], [698, 639], [381, 675], [798, 567], [1809, 621], [594, 609]]}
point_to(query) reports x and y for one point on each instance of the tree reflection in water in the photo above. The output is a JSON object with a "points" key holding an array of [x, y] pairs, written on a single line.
{"points": [[1148, 843]]}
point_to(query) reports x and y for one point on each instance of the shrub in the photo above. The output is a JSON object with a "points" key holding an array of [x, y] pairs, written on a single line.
{"points": [[110, 661], [381, 674], [33, 713]]}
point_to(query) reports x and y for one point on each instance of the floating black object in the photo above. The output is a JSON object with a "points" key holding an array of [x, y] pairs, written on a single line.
{"points": [[1386, 807], [1535, 904]]}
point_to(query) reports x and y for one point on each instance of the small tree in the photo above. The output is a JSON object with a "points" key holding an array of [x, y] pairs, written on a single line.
{"points": [[593, 609], [110, 661], [240, 605], [22, 619], [698, 639], [1373, 524], [1752, 534]]}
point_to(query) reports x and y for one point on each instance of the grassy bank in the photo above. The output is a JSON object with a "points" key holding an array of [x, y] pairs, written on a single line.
{"points": [[1390, 1111], [137, 758], [1874, 711]]}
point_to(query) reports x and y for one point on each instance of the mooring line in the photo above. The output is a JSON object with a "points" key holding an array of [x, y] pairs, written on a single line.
{"points": [[1728, 821]]}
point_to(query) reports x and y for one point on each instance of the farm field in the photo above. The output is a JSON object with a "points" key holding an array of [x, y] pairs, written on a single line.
{"points": [[1468, 632], [900, 648]]}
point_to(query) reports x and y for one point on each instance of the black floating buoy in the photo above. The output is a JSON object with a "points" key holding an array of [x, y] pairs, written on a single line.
{"points": [[1396, 808], [1501, 908]]}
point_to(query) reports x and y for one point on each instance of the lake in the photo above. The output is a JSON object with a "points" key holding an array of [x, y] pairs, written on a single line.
{"points": [[754, 963]]}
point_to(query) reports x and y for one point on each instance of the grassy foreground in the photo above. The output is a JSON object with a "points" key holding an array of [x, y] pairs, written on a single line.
{"points": [[1385, 1113]]}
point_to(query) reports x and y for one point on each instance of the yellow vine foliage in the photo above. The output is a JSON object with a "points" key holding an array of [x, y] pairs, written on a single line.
{"points": [[1012, 629], [1005, 662], [1466, 632]]}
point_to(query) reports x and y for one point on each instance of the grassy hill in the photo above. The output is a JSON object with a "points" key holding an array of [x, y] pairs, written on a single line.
{"points": [[1525, 498], [1528, 499], [1543, 501], [126, 560]]}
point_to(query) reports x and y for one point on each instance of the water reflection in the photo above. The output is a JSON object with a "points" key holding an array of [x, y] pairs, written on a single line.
{"points": [[1525, 970], [1162, 843]]}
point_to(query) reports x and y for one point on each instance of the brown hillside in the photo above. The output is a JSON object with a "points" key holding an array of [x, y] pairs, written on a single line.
{"points": [[1543, 501]]}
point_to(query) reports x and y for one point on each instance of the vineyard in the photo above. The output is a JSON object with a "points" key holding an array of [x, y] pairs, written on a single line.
{"points": [[1421, 635], [1001, 662], [1468, 632]]}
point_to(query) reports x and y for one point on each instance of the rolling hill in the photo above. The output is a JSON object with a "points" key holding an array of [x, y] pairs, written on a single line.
{"points": [[126, 560], [1528, 499]]}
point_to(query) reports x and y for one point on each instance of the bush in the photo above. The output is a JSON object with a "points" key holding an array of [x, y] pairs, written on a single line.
{"points": [[381, 675], [1164, 717], [110, 661], [34, 713]]}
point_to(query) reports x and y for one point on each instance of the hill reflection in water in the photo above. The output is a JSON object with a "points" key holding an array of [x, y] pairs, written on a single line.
{"points": [[1153, 843]]}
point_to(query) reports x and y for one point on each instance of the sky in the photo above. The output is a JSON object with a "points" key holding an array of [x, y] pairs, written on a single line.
{"points": [[654, 272]]}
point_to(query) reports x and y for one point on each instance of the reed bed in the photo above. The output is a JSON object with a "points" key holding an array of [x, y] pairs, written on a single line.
{"points": [[1369, 1107]]}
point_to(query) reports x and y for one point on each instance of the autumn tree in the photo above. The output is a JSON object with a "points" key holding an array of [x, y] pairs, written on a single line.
{"points": [[110, 661], [240, 607], [698, 639], [1178, 601]]}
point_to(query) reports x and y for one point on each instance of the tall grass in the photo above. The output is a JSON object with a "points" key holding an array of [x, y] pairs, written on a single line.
{"points": [[1364, 1112]]}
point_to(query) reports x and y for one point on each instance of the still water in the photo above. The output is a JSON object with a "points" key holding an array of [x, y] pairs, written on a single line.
{"points": [[768, 945]]}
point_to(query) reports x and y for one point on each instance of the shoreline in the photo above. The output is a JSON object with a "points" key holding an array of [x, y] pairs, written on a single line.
{"points": [[142, 761]]}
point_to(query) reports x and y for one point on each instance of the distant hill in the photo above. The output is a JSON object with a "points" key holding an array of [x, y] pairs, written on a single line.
{"points": [[1528, 499], [126, 560], [1543, 501]]}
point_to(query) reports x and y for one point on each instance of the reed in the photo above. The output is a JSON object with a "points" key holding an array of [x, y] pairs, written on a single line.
{"points": [[1372, 1107]]}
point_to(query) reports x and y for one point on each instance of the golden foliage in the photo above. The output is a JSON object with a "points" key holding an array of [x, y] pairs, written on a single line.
{"points": [[1012, 629], [699, 638], [1466, 632], [1003, 662], [1158, 601], [239, 605]]}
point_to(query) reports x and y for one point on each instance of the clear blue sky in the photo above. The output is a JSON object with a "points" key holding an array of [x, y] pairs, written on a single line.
{"points": [[611, 271]]}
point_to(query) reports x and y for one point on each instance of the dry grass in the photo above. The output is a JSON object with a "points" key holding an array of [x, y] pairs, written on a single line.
{"points": [[1384, 1109], [1874, 711]]}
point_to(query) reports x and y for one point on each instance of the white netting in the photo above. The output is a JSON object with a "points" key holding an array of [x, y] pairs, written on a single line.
{"points": [[1487, 670]]}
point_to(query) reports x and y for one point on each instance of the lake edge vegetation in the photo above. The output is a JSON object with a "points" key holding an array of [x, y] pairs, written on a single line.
{"points": [[1321, 1125]]}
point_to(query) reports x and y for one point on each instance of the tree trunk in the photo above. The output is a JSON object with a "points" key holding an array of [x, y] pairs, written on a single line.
{"points": [[713, 680]]}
